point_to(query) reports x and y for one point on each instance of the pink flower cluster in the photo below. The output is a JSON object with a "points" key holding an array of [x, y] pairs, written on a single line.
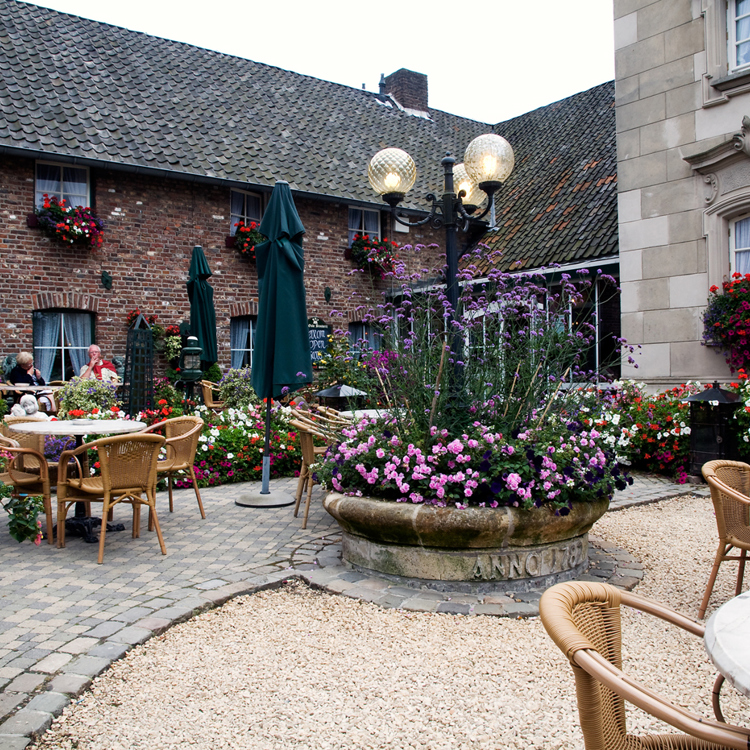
{"points": [[481, 467]]}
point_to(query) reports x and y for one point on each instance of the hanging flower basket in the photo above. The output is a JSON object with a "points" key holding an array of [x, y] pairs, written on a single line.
{"points": [[373, 254], [726, 320], [246, 238], [73, 226]]}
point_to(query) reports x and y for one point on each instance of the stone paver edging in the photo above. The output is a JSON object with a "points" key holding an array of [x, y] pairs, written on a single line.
{"points": [[65, 619]]}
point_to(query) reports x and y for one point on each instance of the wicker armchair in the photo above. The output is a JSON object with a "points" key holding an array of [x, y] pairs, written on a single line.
{"points": [[182, 435], [27, 471], [128, 471], [583, 619], [33, 441], [730, 493], [323, 423], [208, 389], [306, 431]]}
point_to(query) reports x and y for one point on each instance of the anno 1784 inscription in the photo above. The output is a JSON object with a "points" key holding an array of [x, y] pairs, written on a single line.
{"points": [[530, 563]]}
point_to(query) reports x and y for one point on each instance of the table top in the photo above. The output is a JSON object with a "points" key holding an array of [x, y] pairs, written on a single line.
{"points": [[727, 641], [29, 388], [79, 426], [360, 413]]}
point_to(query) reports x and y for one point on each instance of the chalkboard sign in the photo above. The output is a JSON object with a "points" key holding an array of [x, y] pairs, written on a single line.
{"points": [[318, 332]]}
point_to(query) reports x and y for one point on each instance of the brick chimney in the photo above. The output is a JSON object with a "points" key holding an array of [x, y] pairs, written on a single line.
{"points": [[408, 88]]}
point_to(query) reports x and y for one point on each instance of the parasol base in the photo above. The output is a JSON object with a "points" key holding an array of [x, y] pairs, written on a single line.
{"points": [[274, 499]]}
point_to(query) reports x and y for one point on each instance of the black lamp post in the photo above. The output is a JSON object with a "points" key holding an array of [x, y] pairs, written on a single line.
{"points": [[488, 161], [711, 434], [190, 365]]}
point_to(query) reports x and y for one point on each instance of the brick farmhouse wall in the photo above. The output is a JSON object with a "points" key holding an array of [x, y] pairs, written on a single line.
{"points": [[152, 225]]}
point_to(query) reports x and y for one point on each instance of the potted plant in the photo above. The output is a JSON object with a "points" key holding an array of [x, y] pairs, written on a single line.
{"points": [[23, 512], [246, 238], [72, 225], [726, 320], [483, 469], [373, 254], [89, 398]]}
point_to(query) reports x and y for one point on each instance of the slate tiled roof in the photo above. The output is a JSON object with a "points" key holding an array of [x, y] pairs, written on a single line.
{"points": [[560, 203], [71, 87], [81, 88]]}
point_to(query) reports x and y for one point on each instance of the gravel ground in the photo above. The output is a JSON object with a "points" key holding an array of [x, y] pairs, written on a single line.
{"points": [[295, 668]]}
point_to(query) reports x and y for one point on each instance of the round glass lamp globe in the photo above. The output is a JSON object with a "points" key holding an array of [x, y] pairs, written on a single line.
{"points": [[392, 171], [461, 181], [489, 158]]}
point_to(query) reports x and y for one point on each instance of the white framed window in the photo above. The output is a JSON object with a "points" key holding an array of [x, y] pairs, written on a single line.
{"points": [[61, 342], [245, 207], [363, 221], [739, 245], [242, 340], [63, 182], [738, 27]]}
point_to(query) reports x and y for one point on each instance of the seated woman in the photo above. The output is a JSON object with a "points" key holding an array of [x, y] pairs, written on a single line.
{"points": [[24, 373], [99, 368]]}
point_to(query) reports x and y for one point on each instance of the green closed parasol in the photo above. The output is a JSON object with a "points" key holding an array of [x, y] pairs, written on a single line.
{"points": [[202, 312], [281, 355]]}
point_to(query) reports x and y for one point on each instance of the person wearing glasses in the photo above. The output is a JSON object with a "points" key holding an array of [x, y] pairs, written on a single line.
{"points": [[101, 369]]}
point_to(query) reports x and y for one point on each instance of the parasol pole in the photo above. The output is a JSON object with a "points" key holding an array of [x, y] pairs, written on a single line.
{"points": [[267, 451]]}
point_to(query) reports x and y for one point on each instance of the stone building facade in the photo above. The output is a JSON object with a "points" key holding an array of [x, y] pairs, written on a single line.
{"points": [[682, 90]]}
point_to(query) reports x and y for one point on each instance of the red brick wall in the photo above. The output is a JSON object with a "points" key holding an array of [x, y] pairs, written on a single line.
{"points": [[151, 227]]}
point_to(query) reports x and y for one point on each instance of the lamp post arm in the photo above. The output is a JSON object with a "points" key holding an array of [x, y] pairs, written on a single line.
{"points": [[421, 222]]}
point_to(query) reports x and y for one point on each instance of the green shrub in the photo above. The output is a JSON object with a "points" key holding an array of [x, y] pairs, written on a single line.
{"points": [[236, 389], [213, 373]]}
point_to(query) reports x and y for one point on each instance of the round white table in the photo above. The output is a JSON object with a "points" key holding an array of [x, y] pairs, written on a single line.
{"points": [[79, 427], [727, 641]]}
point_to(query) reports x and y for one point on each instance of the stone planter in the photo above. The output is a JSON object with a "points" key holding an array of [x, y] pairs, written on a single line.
{"points": [[480, 549]]}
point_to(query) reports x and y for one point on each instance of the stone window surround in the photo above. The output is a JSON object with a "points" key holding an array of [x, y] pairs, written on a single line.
{"points": [[720, 81], [725, 170]]}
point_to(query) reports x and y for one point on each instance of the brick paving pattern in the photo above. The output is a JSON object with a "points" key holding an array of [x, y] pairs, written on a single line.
{"points": [[64, 619]]}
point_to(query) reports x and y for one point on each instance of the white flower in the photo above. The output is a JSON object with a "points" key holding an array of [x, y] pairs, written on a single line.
{"points": [[230, 455]]}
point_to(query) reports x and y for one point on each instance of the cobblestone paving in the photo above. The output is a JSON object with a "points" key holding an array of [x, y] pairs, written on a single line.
{"points": [[64, 619]]}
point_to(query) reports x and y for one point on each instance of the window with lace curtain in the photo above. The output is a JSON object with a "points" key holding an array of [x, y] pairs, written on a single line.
{"points": [[739, 244], [242, 340], [738, 13], [61, 342], [362, 221], [365, 336], [245, 207], [63, 182]]}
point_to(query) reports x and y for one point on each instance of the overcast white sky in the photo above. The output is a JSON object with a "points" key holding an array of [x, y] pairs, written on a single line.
{"points": [[501, 59]]}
